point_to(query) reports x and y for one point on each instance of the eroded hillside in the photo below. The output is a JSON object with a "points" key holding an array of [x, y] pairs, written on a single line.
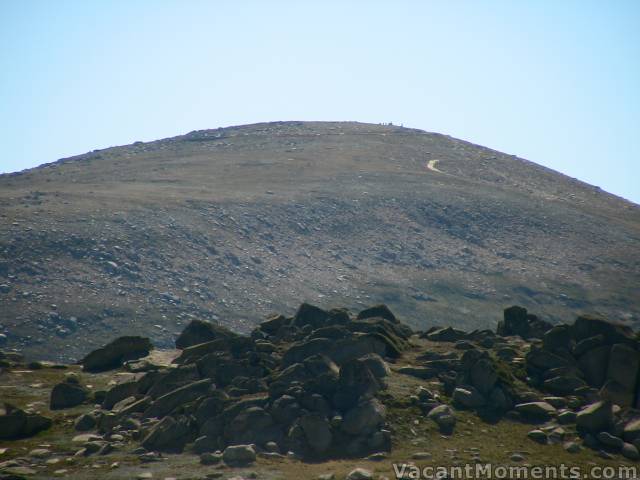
{"points": [[232, 224]]}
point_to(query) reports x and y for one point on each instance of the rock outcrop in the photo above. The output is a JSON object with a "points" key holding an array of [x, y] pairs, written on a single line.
{"points": [[16, 423], [306, 384], [115, 353]]}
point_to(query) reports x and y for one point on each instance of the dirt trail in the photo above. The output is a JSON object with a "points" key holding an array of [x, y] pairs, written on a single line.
{"points": [[431, 165]]}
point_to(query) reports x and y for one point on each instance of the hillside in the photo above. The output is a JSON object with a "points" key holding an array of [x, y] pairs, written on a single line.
{"points": [[235, 223]]}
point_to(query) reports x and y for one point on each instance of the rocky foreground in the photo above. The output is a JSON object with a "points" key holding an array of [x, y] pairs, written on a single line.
{"points": [[325, 394]]}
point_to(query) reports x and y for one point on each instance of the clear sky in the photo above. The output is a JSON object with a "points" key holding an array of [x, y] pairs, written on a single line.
{"points": [[556, 82]]}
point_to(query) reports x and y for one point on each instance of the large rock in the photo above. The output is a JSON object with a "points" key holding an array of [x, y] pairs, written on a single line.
{"points": [[355, 382], [85, 422], [236, 346], [362, 344], [238, 455], [557, 338], [272, 324], [535, 410], [483, 376], [16, 423], [381, 311], [499, 400], [114, 354], [587, 344], [632, 430], [223, 370], [539, 358], [119, 392], [617, 393], [517, 321], [587, 326], [216, 425], [302, 350], [252, 425], [67, 395], [444, 417], [156, 384], [360, 474], [170, 401], [317, 432], [564, 384], [468, 397], [377, 365], [623, 366], [596, 417], [310, 315], [611, 441], [514, 322], [630, 451], [169, 435], [594, 364], [446, 334], [286, 409], [201, 331], [364, 418]]}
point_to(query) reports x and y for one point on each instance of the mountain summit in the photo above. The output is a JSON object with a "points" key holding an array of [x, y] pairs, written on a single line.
{"points": [[144, 238]]}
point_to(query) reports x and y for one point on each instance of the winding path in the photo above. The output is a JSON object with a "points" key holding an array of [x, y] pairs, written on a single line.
{"points": [[431, 165]]}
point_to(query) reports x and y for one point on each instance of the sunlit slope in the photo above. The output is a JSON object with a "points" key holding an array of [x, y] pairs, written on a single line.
{"points": [[252, 219]]}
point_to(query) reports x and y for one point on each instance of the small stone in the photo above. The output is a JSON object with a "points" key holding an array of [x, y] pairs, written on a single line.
{"points": [[538, 436], [421, 456], [630, 451], [85, 422], [93, 447], [144, 475], [444, 417], [239, 455], [535, 410], [567, 417], [610, 440], [557, 436], [150, 457], [327, 476], [377, 457], [572, 447], [40, 453], [596, 417], [360, 474], [517, 457], [130, 424], [272, 447], [86, 437]]}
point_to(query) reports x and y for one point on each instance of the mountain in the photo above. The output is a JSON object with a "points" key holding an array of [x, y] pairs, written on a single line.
{"points": [[235, 223]]}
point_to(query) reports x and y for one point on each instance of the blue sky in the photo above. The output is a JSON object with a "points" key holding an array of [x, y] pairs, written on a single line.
{"points": [[554, 82]]}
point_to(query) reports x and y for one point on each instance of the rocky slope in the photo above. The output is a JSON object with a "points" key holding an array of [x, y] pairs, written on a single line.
{"points": [[327, 394], [235, 223]]}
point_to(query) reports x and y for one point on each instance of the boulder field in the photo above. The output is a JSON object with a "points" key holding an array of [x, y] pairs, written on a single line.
{"points": [[314, 387]]}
